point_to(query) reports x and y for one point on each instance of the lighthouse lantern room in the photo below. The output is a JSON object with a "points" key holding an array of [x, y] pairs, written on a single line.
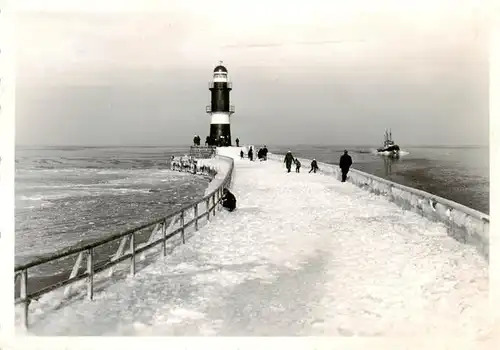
{"points": [[220, 110]]}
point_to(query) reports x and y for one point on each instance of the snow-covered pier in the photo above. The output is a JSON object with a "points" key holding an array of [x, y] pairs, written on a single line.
{"points": [[303, 254]]}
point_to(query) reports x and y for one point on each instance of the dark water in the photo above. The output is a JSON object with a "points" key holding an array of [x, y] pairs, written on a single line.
{"points": [[66, 196], [460, 174]]}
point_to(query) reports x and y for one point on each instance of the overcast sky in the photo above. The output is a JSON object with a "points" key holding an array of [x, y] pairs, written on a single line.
{"points": [[309, 72]]}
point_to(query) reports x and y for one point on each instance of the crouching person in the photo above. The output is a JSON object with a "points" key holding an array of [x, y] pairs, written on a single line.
{"points": [[228, 200], [314, 166]]}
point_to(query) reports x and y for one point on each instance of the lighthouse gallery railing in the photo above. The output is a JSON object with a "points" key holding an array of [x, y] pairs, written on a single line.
{"points": [[185, 217]]}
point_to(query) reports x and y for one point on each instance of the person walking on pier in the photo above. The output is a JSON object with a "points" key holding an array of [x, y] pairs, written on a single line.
{"points": [[314, 166], [237, 142], [288, 160], [228, 200], [250, 154], [242, 155], [297, 165], [344, 164]]}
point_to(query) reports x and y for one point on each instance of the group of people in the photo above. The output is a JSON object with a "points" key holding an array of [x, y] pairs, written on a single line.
{"points": [[211, 142], [221, 141], [289, 159], [344, 164], [196, 140], [261, 154], [229, 200]]}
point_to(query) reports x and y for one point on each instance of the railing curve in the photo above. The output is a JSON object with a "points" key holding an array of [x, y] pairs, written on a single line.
{"points": [[162, 230]]}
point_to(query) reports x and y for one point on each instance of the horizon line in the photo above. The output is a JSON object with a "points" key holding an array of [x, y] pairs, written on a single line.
{"points": [[257, 143]]}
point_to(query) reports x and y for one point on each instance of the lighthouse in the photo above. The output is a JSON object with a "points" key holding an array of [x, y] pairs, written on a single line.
{"points": [[219, 109]]}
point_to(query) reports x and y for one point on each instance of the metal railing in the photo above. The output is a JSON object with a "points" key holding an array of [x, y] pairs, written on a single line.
{"points": [[162, 230], [465, 224], [229, 84], [232, 109]]}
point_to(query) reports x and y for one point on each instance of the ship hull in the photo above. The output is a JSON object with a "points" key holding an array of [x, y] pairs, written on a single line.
{"points": [[394, 148]]}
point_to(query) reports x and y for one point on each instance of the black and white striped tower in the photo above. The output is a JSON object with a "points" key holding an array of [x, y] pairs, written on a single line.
{"points": [[220, 110]]}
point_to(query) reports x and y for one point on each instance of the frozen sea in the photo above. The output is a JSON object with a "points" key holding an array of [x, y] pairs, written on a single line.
{"points": [[72, 195]]}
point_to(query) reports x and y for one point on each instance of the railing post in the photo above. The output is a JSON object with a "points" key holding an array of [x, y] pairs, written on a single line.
{"points": [[90, 271], [208, 208], [24, 296], [74, 272], [182, 227], [132, 250], [196, 217], [150, 240], [213, 200], [118, 254], [153, 234], [164, 234]]}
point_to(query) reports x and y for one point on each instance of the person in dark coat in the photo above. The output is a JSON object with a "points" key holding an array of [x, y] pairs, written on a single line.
{"points": [[228, 200], [250, 154], [288, 160], [297, 165], [260, 154], [314, 166], [344, 164], [207, 141], [264, 152], [237, 142], [242, 154]]}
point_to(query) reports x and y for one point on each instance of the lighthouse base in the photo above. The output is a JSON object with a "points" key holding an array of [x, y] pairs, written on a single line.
{"points": [[220, 134]]}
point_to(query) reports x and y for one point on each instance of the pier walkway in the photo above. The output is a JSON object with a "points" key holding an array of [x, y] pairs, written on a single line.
{"points": [[303, 254]]}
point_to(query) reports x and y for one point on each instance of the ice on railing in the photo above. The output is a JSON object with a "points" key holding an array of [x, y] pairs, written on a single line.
{"points": [[465, 224], [221, 165], [189, 164]]}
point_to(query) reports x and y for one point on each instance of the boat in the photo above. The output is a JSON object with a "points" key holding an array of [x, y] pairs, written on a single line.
{"points": [[389, 146]]}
